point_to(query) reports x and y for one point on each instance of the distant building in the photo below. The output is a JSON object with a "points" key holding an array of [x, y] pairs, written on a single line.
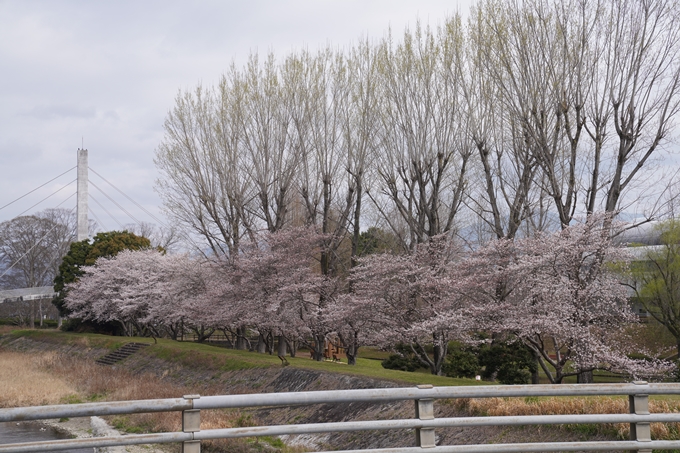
{"points": [[644, 234], [641, 240], [22, 306], [26, 294]]}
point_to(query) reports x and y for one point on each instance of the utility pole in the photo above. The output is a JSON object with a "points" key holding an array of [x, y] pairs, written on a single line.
{"points": [[83, 230]]}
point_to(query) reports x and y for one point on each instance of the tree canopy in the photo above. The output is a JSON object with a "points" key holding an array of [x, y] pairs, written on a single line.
{"points": [[558, 294], [86, 253], [529, 114]]}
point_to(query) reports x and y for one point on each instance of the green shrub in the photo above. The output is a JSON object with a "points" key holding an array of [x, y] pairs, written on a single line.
{"points": [[461, 363], [512, 373], [403, 360], [80, 326], [509, 363], [399, 362]]}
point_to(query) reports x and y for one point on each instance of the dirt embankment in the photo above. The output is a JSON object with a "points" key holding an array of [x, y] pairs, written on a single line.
{"points": [[209, 380]]}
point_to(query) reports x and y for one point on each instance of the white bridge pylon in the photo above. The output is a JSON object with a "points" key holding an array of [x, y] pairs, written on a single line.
{"points": [[82, 193]]}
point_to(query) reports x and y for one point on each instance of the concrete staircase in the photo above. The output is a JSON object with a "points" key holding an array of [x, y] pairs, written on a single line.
{"points": [[120, 353]]}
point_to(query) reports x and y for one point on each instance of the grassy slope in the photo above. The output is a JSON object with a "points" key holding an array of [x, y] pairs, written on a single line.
{"points": [[203, 355]]}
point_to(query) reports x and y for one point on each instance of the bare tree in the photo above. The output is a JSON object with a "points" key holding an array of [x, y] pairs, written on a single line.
{"points": [[31, 250], [644, 61], [507, 182], [320, 132], [592, 88], [360, 126], [34, 245], [423, 162], [201, 160], [264, 132]]}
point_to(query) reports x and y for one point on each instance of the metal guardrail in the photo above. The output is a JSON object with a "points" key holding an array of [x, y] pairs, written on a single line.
{"points": [[424, 422]]}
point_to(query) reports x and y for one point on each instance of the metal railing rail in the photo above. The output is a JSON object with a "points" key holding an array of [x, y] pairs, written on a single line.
{"points": [[424, 422]]}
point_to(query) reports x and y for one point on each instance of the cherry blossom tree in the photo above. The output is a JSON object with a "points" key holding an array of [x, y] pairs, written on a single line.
{"points": [[281, 291], [559, 295], [352, 320], [193, 304], [412, 299], [139, 290], [274, 287]]}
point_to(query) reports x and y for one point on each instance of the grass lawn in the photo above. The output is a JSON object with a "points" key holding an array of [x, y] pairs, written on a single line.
{"points": [[206, 355], [210, 356]]}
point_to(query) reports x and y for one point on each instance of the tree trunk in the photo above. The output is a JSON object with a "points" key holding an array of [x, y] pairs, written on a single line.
{"points": [[203, 333], [261, 345], [438, 362], [440, 348], [559, 373], [585, 377], [535, 375], [229, 338], [356, 234], [292, 347], [351, 353], [269, 340], [241, 342], [319, 346], [124, 326], [173, 329]]}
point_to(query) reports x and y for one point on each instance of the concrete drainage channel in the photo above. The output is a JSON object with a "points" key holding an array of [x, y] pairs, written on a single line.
{"points": [[12, 432], [80, 428], [54, 430]]}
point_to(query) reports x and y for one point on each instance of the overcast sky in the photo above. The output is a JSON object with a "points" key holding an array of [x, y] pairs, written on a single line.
{"points": [[105, 74]]}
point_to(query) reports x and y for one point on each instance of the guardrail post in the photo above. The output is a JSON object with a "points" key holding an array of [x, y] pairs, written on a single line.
{"points": [[425, 411], [191, 423], [639, 404]]}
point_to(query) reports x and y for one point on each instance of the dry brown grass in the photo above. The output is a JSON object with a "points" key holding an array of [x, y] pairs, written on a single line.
{"points": [[24, 381], [565, 406], [51, 378]]}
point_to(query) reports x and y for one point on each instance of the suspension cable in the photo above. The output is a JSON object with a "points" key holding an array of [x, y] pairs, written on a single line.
{"points": [[116, 203], [133, 201], [39, 187], [67, 199], [49, 196], [106, 210]]}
